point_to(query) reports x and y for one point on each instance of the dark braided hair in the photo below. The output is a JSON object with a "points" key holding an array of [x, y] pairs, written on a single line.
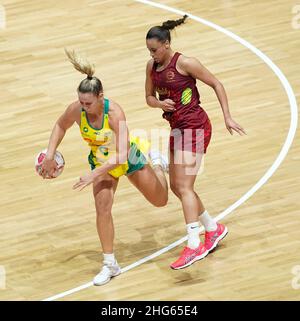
{"points": [[162, 33]]}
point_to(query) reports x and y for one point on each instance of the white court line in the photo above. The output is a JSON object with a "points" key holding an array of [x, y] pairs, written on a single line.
{"points": [[285, 148]]}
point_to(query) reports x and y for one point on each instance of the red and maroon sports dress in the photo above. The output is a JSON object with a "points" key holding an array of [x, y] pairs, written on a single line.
{"points": [[190, 125]]}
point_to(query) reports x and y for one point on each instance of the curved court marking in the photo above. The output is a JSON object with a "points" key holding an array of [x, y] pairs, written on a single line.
{"points": [[284, 150]]}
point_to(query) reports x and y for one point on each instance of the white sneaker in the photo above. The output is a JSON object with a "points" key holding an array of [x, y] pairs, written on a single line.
{"points": [[107, 272], [158, 159]]}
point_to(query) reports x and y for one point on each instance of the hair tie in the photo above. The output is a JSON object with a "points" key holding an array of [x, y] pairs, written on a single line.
{"points": [[90, 77]]}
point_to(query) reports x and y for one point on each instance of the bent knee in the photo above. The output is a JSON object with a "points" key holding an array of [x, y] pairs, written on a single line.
{"points": [[180, 191], [161, 202], [176, 189]]}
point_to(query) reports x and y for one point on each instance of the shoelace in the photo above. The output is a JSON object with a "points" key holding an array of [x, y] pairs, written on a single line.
{"points": [[184, 251], [211, 236], [105, 269]]}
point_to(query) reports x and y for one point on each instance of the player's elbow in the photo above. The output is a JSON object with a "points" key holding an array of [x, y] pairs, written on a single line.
{"points": [[60, 128], [148, 100], [151, 100], [216, 84]]}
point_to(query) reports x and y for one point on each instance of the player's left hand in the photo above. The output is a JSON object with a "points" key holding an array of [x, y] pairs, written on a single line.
{"points": [[84, 181], [232, 125]]}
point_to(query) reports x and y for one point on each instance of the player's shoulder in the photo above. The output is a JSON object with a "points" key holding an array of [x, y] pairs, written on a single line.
{"points": [[185, 61], [150, 64], [115, 110], [74, 108]]}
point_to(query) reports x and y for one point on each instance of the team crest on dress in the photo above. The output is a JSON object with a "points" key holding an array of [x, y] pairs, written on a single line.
{"points": [[170, 75]]}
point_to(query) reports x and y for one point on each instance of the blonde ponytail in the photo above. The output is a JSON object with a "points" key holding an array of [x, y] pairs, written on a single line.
{"points": [[90, 84], [80, 64]]}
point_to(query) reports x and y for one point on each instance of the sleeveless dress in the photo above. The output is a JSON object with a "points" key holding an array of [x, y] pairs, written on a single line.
{"points": [[190, 126], [102, 144]]}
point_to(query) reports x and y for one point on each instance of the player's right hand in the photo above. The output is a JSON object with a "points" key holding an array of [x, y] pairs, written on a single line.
{"points": [[48, 168], [168, 105]]}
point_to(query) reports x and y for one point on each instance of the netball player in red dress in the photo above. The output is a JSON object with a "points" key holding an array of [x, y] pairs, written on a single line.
{"points": [[173, 76]]}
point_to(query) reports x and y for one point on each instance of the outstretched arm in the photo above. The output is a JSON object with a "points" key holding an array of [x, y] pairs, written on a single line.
{"points": [[194, 68]]}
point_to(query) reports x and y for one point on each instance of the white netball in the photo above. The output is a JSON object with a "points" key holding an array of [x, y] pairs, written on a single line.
{"points": [[58, 158]]}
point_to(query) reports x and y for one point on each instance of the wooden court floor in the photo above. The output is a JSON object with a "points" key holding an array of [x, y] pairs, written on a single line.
{"points": [[48, 239]]}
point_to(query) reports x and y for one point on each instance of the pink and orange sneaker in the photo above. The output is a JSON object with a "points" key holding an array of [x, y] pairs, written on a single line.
{"points": [[213, 238], [188, 256]]}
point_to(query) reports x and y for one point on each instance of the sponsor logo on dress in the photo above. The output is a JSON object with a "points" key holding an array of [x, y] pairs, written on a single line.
{"points": [[163, 91], [186, 96]]}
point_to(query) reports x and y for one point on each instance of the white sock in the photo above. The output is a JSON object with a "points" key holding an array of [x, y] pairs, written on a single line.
{"points": [[154, 156], [208, 222], [193, 230], [157, 159], [109, 259]]}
